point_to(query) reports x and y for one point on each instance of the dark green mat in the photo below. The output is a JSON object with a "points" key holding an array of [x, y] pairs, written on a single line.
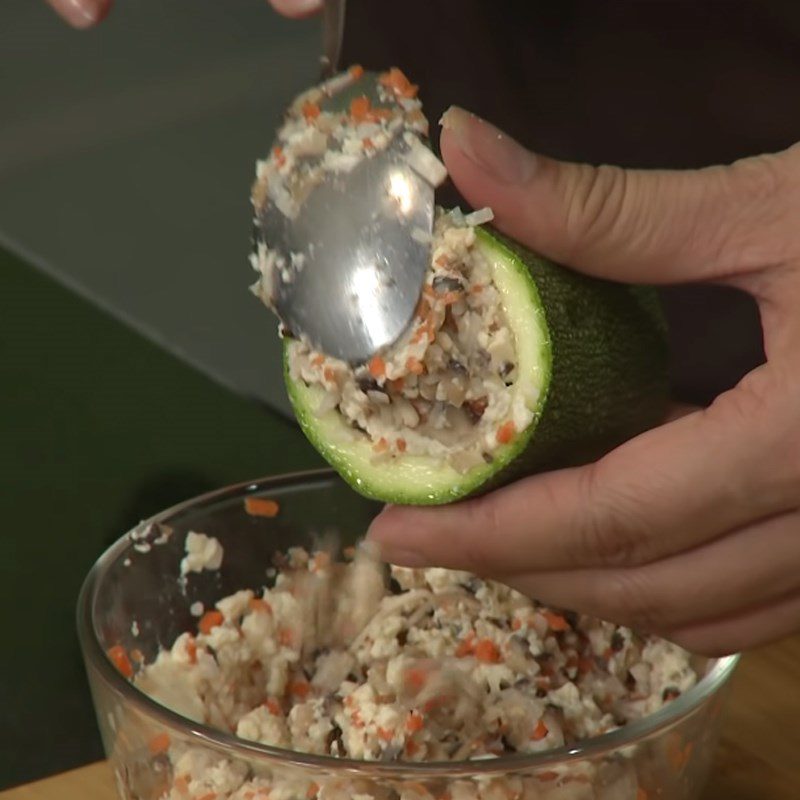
{"points": [[98, 429]]}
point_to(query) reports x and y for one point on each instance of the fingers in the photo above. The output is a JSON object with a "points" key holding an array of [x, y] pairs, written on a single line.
{"points": [[631, 225], [672, 488], [81, 13], [750, 568], [86, 13], [296, 8], [742, 631]]}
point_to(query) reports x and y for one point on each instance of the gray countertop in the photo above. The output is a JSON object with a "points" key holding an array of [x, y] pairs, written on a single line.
{"points": [[126, 156]]}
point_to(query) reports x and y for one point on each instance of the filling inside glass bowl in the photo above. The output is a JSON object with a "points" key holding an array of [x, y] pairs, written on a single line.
{"points": [[351, 658]]}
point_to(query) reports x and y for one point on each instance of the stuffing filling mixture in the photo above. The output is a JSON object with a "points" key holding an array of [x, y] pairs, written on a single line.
{"points": [[314, 142], [353, 659], [447, 388]]}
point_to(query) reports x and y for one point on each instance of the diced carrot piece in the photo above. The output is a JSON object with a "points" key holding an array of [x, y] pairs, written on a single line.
{"points": [[367, 144], [486, 650], [539, 732], [329, 374], [317, 361], [506, 431], [310, 111], [356, 71], [359, 108], [437, 701], [385, 734], [414, 365], [181, 783], [441, 261], [381, 446], [467, 647], [395, 80], [547, 775], [209, 621], [313, 791], [261, 507], [120, 660], [415, 722], [274, 707], [555, 621], [477, 288], [259, 604], [300, 688], [397, 385], [137, 655], [516, 624], [286, 637], [641, 794], [377, 367], [277, 154], [401, 445], [411, 747], [416, 677], [159, 744]]}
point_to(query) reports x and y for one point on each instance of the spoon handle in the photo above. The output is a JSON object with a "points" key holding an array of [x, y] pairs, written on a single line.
{"points": [[332, 34]]}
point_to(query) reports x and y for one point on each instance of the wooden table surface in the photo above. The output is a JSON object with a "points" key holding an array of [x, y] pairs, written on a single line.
{"points": [[758, 758]]}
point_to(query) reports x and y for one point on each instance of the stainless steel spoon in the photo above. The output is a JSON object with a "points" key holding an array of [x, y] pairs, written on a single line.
{"points": [[362, 237]]}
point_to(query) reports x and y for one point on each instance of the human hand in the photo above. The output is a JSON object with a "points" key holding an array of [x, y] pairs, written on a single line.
{"points": [[691, 530], [86, 13]]}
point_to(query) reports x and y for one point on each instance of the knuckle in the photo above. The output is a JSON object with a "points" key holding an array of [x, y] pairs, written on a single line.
{"points": [[597, 203], [766, 404], [629, 600], [607, 530], [487, 529], [762, 197]]}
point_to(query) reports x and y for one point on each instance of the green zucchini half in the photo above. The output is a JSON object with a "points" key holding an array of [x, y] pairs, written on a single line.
{"points": [[591, 370]]}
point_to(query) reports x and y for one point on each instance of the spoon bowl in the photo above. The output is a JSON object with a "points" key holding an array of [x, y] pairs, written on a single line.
{"points": [[345, 256]]}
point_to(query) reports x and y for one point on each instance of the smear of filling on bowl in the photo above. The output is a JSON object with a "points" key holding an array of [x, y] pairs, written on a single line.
{"points": [[446, 388], [350, 660]]}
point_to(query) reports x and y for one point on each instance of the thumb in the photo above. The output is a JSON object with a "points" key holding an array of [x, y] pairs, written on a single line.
{"points": [[657, 226]]}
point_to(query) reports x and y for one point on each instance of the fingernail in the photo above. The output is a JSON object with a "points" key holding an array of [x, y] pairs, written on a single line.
{"points": [[400, 557], [296, 8], [491, 150], [81, 13]]}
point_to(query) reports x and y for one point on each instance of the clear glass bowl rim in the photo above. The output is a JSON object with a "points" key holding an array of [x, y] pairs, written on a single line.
{"points": [[235, 747]]}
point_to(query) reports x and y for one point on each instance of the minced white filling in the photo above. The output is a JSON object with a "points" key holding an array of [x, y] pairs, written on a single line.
{"points": [[432, 665], [446, 389], [202, 553]]}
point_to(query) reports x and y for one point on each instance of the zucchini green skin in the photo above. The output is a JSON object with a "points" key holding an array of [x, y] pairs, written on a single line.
{"points": [[602, 357]]}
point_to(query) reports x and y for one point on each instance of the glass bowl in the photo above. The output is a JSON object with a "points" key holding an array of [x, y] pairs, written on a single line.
{"points": [[133, 598]]}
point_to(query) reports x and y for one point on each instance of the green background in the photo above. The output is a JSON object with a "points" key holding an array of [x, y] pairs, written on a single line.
{"points": [[99, 429]]}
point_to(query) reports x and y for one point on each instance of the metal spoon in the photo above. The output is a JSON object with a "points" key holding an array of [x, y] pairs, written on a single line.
{"points": [[362, 237]]}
